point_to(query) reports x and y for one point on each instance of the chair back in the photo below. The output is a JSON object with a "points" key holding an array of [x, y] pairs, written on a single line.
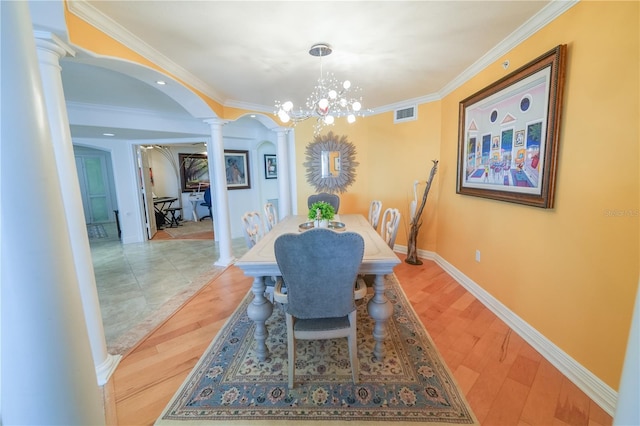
{"points": [[319, 268], [389, 226], [270, 216], [207, 197], [375, 209], [252, 226], [332, 199]]}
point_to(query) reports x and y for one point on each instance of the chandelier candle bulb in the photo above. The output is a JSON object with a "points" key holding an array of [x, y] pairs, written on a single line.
{"points": [[329, 99]]}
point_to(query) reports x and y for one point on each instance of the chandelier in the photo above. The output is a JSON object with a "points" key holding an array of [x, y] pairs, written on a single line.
{"points": [[329, 100]]}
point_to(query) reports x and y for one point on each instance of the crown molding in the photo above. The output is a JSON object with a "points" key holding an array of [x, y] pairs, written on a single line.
{"points": [[407, 103], [91, 15], [550, 12], [102, 108], [249, 106], [94, 17]]}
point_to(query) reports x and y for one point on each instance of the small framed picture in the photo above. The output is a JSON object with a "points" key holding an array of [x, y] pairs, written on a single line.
{"points": [[237, 169], [270, 166]]}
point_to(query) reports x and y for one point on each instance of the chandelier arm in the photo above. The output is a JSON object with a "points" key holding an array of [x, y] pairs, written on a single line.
{"points": [[329, 99]]}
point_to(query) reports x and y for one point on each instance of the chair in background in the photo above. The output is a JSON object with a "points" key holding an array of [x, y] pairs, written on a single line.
{"points": [[270, 216], [319, 268], [389, 226], [253, 232], [332, 199], [375, 209], [207, 203], [252, 226]]}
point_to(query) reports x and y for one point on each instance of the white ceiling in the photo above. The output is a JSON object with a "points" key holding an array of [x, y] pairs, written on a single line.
{"points": [[249, 54]]}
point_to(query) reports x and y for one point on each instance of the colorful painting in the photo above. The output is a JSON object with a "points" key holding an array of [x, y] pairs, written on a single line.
{"points": [[237, 169], [194, 172], [516, 121]]}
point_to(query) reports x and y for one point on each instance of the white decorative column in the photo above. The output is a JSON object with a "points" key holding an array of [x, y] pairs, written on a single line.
{"points": [[284, 184], [50, 49], [627, 410], [45, 346], [217, 177]]}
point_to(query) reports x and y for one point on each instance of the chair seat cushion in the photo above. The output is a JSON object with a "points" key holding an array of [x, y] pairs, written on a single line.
{"points": [[321, 324]]}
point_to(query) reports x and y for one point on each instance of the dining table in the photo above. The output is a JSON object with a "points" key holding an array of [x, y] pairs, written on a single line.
{"points": [[260, 263]]}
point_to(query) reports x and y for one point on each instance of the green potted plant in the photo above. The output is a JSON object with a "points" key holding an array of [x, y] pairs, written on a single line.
{"points": [[321, 213]]}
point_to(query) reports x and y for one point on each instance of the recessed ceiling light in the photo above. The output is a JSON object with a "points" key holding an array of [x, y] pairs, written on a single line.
{"points": [[161, 82], [108, 134]]}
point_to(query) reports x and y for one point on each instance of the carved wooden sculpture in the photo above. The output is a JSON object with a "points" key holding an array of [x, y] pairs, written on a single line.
{"points": [[416, 222]]}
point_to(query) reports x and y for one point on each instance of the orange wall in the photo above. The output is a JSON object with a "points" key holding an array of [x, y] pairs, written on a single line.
{"points": [[570, 272], [391, 157]]}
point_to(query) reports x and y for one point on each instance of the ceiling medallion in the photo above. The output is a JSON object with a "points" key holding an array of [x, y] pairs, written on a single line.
{"points": [[330, 163], [329, 99]]}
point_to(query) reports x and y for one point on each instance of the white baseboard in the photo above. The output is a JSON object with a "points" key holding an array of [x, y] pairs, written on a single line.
{"points": [[601, 393]]}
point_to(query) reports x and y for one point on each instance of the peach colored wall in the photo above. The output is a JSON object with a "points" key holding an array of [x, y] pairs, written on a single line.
{"points": [[391, 157], [570, 272]]}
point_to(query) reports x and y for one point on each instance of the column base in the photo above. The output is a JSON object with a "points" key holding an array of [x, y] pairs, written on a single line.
{"points": [[106, 368]]}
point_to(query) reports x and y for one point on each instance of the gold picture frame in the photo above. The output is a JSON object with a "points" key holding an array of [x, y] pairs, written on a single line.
{"points": [[508, 134]]}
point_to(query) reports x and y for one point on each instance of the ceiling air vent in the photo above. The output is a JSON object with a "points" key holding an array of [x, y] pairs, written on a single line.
{"points": [[405, 114]]}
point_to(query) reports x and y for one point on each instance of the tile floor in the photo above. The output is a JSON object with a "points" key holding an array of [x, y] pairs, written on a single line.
{"points": [[141, 284]]}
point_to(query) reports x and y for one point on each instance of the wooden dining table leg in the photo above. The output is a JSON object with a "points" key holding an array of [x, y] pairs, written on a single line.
{"points": [[380, 309], [259, 310]]}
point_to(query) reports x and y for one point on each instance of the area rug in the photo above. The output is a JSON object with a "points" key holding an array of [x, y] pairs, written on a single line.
{"points": [[189, 229], [229, 385], [96, 231]]}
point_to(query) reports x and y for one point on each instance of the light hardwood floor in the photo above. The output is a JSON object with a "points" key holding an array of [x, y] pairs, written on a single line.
{"points": [[504, 379]]}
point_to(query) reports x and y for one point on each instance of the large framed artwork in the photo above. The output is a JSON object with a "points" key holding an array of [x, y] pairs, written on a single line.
{"points": [[508, 134], [237, 169], [194, 172]]}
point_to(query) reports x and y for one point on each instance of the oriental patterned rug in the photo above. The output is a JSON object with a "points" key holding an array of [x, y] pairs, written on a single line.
{"points": [[230, 386], [96, 231]]}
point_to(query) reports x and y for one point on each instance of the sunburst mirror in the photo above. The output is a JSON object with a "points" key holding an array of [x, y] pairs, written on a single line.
{"points": [[330, 163]]}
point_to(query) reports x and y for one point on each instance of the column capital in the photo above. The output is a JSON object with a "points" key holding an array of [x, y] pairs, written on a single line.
{"points": [[215, 121], [48, 40], [282, 130]]}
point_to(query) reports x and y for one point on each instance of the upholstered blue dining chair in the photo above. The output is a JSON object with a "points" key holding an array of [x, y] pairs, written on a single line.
{"points": [[332, 199], [319, 268]]}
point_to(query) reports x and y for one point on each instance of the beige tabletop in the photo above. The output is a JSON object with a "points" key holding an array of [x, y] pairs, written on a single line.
{"points": [[260, 262], [378, 257]]}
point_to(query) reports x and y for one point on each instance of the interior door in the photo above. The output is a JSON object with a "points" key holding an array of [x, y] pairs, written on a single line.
{"points": [[147, 195], [96, 198]]}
